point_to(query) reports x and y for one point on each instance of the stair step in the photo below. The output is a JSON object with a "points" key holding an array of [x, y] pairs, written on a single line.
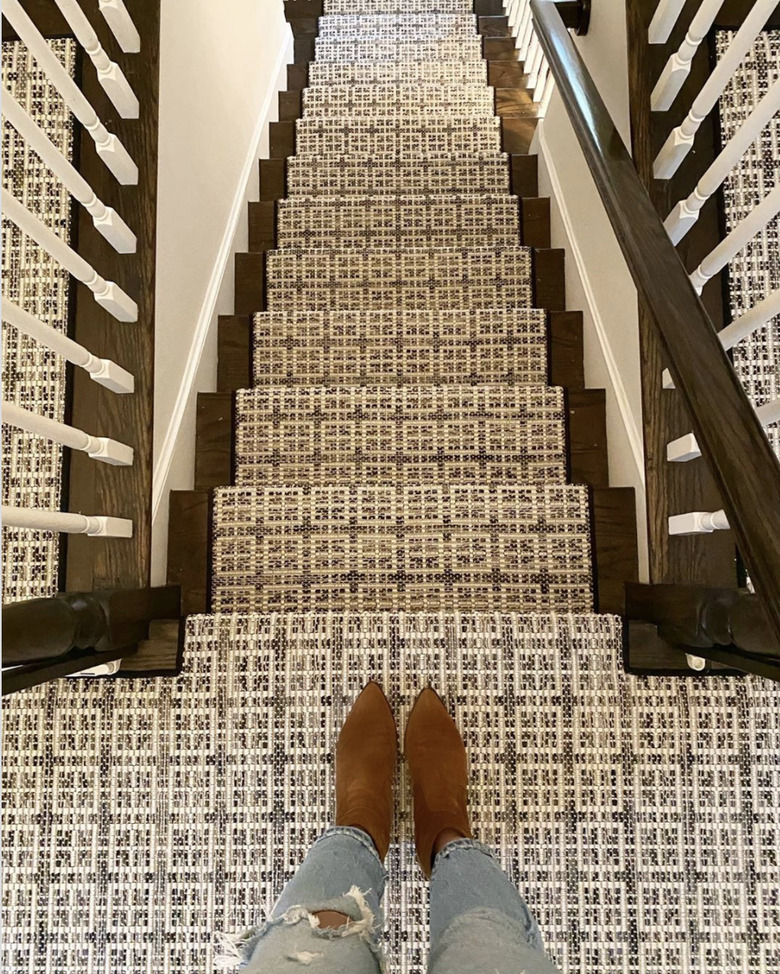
{"points": [[465, 547], [399, 347], [404, 279], [438, 71], [402, 28], [341, 175], [397, 136], [390, 221], [371, 100], [445, 49], [399, 6], [318, 435]]}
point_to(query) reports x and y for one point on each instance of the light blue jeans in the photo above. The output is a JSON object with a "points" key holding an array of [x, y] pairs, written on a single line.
{"points": [[479, 922]]}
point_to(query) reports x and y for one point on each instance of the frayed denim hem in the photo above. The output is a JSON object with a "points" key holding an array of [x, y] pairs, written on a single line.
{"points": [[452, 847]]}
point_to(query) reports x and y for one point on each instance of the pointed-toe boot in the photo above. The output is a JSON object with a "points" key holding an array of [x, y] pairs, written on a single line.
{"points": [[437, 763], [365, 766]]}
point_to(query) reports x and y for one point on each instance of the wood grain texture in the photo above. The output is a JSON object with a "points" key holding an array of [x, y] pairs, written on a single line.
{"points": [[488, 8], [159, 655], [499, 49], [273, 179], [722, 419], [517, 132], [507, 74], [290, 105], [234, 353], [616, 551], [565, 340], [97, 488], [515, 103], [587, 427], [535, 221], [214, 440], [524, 174], [249, 283], [493, 26], [262, 226], [549, 279], [189, 529]]}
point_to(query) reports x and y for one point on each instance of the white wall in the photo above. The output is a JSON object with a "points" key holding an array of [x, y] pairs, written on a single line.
{"points": [[597, 280], [221, 65]]}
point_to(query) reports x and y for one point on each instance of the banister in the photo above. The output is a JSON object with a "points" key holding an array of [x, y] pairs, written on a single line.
{"points": [[730, 435]]}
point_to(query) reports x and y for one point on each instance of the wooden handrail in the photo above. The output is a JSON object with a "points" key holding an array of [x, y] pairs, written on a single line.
{"points": [[732, 441]]}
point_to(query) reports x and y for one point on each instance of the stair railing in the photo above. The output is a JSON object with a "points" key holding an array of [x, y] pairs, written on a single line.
{"points": [[728, 433], [106, 220]]}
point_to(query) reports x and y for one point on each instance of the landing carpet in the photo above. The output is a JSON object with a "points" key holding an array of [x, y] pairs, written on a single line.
{"points": [[755, 272], [638, 816], [33, 377]]}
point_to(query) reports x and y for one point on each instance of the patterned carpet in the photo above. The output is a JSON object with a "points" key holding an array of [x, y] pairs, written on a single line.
{"points": [[755, 272], [33, 377], [400, 510]]}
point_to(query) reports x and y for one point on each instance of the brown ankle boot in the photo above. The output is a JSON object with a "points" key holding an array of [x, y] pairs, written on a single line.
{"points": [[365, 766], [437, 763]]}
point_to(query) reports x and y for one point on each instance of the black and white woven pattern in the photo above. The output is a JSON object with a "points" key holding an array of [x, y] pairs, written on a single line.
{"points": [[419, 548], [404, 279], [315, 223], [397, 135], [471, 71], [331, 174], [400, 435], [420, 7], [387, 100], [639, 817], [400, 347], [33, 377], [401, 28], [755, 272], [369, 50]]}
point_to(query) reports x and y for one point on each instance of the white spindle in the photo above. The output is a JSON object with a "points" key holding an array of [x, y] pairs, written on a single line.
{"points": [[535, 56], [544, 101], [698, 522], [39, 520], [687, 447], [680, 141], [739, 237], [110, 75], [678, 67], [106, 220], [525, 34], [107, 294], [665, 17], [515, 14], [102, 370], [541, 81], [108, 146], [686, 213], [742, 327], [97, 447], [121, 25]]}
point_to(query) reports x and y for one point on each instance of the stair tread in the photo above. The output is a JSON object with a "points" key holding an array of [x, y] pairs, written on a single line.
{"points": [[383, 49], [434, 71], [402, 278], [387, 221], [371, 100], [399, 6], [397, 136], [334, 174], [394, 347], [409, 434], [400, 26], [517, 548]]}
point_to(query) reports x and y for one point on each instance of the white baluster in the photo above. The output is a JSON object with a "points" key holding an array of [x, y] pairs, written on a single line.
{"points": [[535, 55], [106, 220], [680, 141], [514, 14], [107, 294], [686, 213], [541, 81], [110, 75], [698, 522], [525, 34], [665, 17], [102, 370], [739, 237], [108, 146], [742, 327], [678, 67], [544, 101], [40, 520], [97, 447], [687, 447], [121, 25]]}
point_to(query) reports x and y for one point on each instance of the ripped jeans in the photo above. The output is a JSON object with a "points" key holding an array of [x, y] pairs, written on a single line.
{"points": [[479, 922]]}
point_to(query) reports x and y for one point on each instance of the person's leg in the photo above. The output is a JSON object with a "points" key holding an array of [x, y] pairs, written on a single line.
{"points": [[479, 921], [329, 914]]}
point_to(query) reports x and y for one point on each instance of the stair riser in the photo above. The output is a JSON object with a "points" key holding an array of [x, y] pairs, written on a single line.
{"points": [[430, 71], [349, 52], [403, 101], [401, 28], [313, 137]]}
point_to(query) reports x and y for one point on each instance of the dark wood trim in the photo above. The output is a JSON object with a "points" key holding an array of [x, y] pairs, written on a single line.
{"points": [[517, 132], [535, 221], [214, 425], [189, 547], [616, 552], [549, 278], [234, 353], [249, 283], [290, 105], [273, 179], [587, 426], [723, 420], [566, 344], [262, 226], [103, 563], [488, 8], [493, 25], [524, 174], [281, 139]]}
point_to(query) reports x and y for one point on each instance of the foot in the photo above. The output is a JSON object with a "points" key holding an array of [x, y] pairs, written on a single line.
{"points": [[437, 763], [365, 767]]}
